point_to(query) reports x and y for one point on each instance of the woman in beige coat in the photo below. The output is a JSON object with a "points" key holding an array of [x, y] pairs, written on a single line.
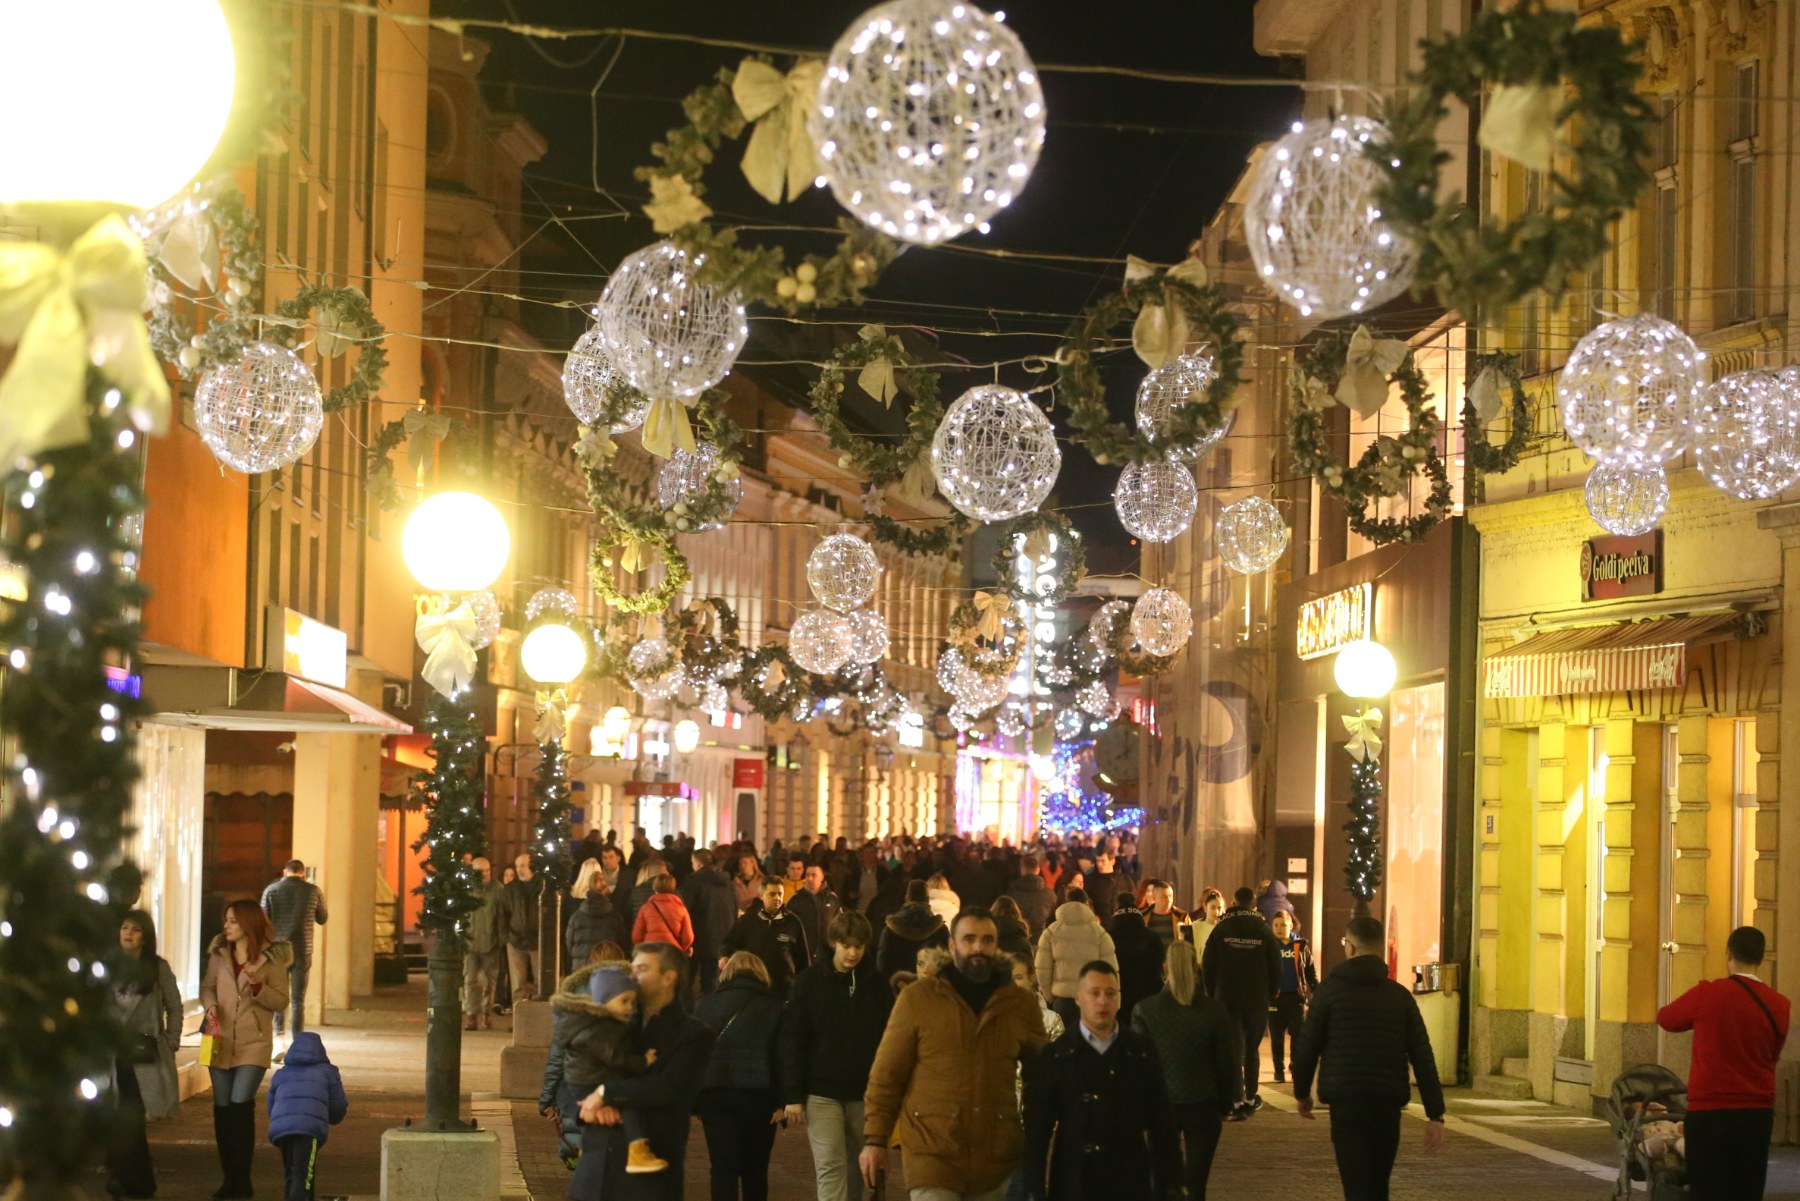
{"points": [[245, 984], [1071, 942]]}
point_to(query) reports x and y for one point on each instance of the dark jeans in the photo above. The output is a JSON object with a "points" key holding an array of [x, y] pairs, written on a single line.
{"points": [[739, 1140], [1200, 1126], [1366, 1137], [299, 1155], [1285, 1016], [128, 1147], [1728, 1153], [297, 973], [706, 973], [1251, 1023]]}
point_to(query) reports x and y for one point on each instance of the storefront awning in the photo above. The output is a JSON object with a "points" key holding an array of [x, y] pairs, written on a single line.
{"points": [[1618, 657], [231, 699]]}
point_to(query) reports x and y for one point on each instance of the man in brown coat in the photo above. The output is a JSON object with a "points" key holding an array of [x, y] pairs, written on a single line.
{"points": [[945, 1075]]}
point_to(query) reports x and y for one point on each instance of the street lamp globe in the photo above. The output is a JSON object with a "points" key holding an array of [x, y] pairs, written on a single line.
{"points": [[553, 654], [455, 542], [615, 723], [687, 735], [122, 128], [1366, 669]]}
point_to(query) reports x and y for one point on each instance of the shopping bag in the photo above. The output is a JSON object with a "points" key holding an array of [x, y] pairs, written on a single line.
{"points": [[209, 1042]]}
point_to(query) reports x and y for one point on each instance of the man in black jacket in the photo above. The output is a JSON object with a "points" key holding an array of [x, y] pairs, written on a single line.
{"points": [[1034, 898], [815, 905], [1099, 1091], [773, 935], [712, 907], [834, 1025], [1242, 965], [1363, 1031], [1107, 887]]}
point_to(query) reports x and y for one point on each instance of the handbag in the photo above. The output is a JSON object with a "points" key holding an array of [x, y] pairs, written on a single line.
{"points": [[147, 1050], [209, 1042]]}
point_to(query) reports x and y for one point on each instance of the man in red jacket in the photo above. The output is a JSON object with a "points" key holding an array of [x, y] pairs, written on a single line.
{"points": [[1739, 1025]]}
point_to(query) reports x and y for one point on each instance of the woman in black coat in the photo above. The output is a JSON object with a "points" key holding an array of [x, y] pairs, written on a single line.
{"points": [[910, 929], [1015, 931], [594, 920], [1202, 1060], [740, 1100], [1140, 959]]}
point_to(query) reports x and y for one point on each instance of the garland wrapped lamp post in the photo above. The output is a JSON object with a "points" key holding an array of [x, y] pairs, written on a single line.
{"points": [[81, 389], [554, 655], [454, 542], [1364, 670]]}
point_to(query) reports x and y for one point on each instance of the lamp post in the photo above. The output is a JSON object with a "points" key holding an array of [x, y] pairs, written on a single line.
{"points": [[554, 655], [454, 542], [1365, 670]]}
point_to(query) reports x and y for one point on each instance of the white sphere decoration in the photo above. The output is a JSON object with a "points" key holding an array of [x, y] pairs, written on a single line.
{"points": [[646, 654], [1251, 535], [929, 119], [1068, 723], [1156, 500], [672, 336], [1365, 669], [659, 688], [1161, 622], [1627, 498], [260, 411], [821, 641], [1312, 225], [961, 719], [950, 667], [1632, 389], [981, 693], [686, 476], [1176, 382], [1095, 698], [587, 377], [1099, 627], [487, 618], [842, 572], [551, 600], [869, 636], [995, 454], [714, 698], [1748, 435]]}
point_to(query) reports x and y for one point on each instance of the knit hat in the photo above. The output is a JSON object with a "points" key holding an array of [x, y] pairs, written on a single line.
{"points": [[608, 982]]}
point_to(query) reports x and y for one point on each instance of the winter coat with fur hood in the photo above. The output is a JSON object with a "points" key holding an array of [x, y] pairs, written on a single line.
{"points": [[247, 1001], [593, 1037], [1073, 940], [909, 930]]}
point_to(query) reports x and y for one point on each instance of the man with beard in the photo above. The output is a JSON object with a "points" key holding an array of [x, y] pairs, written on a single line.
{"points": [[945, 1074]]}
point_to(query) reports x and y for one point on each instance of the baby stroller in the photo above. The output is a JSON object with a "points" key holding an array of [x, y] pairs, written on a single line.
{"points": [[1646, 1111]]}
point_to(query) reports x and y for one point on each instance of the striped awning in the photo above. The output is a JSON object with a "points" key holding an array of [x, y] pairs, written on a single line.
{"points": [[1617, 657]]}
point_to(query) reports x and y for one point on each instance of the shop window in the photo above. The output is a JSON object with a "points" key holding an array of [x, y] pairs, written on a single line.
{"points": [[1664, 219], [1743, 822], [1415, 828]]}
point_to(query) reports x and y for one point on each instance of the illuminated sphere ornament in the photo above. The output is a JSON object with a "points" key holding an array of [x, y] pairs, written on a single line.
{"points": [[645, 655], [1312, 224], [551, 600], [261, 410], [980, 693], [672, 336], [950, 667], [553, 654], [995, 454], [687, 736], [1365, 669], [487, 617], [685, 477], [714, 698], [820, 641], [658, 688], [1156, 499], [588, 377], [1748, 436], [869, 636], [961, 719], [455, 542], [1251, 535], [1009, 721], [1095, 698], [1627, 498], [1632, 390], [1068, 723], [1177, 382], [1161, 622], [929, 119], [842, 572]]}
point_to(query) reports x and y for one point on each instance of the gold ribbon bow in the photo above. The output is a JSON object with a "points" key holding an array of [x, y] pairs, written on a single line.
{"points": [[666, 426], [877, 377], [1519, 122], [64, 312], [1364, 729], [775, 676], [703, 617], [552, 720], [1484, 394], [1038, 546], [424, 430], [991, 608], [632, 554], [1367, 364], [188, 249], [448, 640], [919, 482], [780, 151], [673, 204], [1160, 332]]}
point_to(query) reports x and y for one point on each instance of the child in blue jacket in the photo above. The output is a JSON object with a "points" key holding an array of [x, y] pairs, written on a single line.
{"points": [[306, 1099]]}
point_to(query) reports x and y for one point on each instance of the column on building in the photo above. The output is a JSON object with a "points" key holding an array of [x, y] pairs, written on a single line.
{"points": [[337, 802]]}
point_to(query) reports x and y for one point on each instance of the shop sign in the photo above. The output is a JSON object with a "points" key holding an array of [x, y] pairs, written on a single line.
{"points": [[309, 649], [672, 789], [1331, 621], [746, 773], [1618, 566]]}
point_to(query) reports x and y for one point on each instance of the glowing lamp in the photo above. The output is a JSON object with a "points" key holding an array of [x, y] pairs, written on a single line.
{"points": [[122, 128], [455, 542], [1365, 668], [615, 723], [553, 654], [687, 735]]}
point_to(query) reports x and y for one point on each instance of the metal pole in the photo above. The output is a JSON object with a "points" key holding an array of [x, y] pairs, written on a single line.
{"points": [[443, 1038]]}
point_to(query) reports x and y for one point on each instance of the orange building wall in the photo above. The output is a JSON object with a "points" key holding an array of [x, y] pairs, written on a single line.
{"points": [[196, 538]]}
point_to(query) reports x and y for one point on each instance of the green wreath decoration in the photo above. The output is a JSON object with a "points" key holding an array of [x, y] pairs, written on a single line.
{"points": [[756, 273], [1482, 456], [703, 648], [882, 465], [940, 538], [232, 323], [1071, 553], [615, 545], [773, 701], [606, 488], [988, 657], [1479, 266], [1384, 467], [1078, 382], [1118, 643], [660, 667], [340, 317]]}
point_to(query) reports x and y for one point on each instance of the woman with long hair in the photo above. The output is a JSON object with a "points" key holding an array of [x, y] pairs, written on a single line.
{"points": [[1202, 1059], [1015, 932], [244, 985], [943, 899], [595, 919], [740, 1102], [148, 1005]]}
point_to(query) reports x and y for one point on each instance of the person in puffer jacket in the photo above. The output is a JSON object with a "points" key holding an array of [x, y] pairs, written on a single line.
{"points": [[664, 918], [591, 1024], [1074, 939], [306, 1099]]}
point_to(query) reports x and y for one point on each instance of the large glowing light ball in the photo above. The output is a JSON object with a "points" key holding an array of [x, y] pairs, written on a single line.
{"points": [[455, 542], [1632, 390], [1366, 669], [672, 336], [94, 111], [1748, 437], [553, 654], [995, 455]]}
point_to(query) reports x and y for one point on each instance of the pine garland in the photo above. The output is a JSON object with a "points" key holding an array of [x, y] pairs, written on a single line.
{"points": [[1362, 871], [554, 803], [69, 771], [455, 815]]}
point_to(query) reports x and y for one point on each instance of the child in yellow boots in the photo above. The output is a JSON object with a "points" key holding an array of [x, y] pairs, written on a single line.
{"points": [[592, 1014]]}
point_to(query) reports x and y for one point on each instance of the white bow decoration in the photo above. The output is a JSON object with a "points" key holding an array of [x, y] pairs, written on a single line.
{"points": [[448, 640], [188, 249], [552, 723], [1367, 364], [1519, 123], [1364, 729], [1160, 332], [780, 151], [1484, 394], [877, 377]]}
